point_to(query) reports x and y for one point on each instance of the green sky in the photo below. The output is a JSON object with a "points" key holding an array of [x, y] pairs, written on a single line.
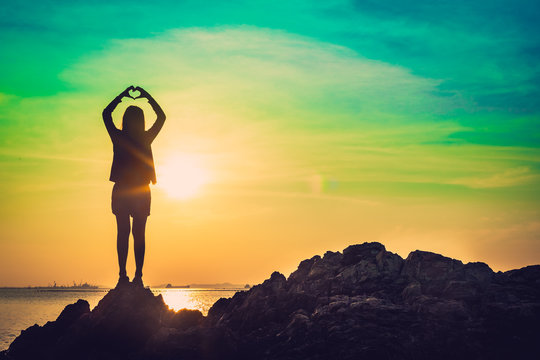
{"points": [[317, 126]]}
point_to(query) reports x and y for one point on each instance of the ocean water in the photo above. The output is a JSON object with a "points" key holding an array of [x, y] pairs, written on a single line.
{"points": [[21, 308]]}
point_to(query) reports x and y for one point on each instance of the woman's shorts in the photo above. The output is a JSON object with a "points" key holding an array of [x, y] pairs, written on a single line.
{"points": [[131, 200]]}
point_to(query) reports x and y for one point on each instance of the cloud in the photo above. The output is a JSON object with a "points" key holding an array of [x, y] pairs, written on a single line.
{"points": [[486, 51], [508, 177], [253, 66]]}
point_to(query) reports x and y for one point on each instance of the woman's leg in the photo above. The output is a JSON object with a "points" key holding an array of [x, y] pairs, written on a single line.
{"points": [[139, 228], [122, 241]]}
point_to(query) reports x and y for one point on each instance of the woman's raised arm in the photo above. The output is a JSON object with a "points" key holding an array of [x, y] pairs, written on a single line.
{"points": [[107, 112], [156, 127]]}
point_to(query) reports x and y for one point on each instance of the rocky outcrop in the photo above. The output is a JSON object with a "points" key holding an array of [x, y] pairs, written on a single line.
{"points": [[363, 303], [119, 327]]}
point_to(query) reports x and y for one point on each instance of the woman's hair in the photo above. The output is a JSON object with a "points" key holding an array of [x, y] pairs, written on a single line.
{"points": [[133, 121]]}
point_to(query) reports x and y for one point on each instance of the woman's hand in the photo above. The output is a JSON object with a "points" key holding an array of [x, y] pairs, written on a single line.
{"points": [[144, 93], [125, 93]]}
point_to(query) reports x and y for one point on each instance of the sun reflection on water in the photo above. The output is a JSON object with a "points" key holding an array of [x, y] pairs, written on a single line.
{"points": [[197, 299]]}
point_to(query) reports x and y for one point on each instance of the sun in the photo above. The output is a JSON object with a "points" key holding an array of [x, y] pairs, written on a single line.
{"points": [[182, 175]]}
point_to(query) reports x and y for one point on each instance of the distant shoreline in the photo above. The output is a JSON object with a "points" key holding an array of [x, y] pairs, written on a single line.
{"points": [[101, 287], [53, 288]]}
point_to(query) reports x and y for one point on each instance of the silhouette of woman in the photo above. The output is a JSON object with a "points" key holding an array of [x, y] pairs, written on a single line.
{"points": [[132, 171]]}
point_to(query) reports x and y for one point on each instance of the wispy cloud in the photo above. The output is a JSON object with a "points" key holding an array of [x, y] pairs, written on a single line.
{"points": [[21, 155], [508, 177]]}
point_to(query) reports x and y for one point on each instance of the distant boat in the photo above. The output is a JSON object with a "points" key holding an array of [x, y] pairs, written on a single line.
{"points": [[169, 286]]}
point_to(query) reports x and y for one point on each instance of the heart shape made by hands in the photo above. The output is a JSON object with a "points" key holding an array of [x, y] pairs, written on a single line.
{"points": [[134, 94]]}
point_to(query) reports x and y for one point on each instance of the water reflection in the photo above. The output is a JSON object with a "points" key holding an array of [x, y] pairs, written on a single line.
{"points": [[198, 299]]}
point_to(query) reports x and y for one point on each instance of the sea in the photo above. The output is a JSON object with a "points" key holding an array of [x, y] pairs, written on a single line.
{"points": [[21, 308]]}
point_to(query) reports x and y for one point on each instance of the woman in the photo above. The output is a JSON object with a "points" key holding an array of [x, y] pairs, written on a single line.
{"points": [[132, 171]]}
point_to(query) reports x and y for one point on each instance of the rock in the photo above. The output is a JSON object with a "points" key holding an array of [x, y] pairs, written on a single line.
{"points": [[297, 326], [478, 271], [185, 319], [303, 269], [118, 327], [35, 340], [411, 292], [526, 275], [366, 251], [363, 303], [426, 266], [73, 312]]}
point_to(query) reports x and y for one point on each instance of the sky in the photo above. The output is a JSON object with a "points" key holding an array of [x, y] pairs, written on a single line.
{"points": [[293, 128]]}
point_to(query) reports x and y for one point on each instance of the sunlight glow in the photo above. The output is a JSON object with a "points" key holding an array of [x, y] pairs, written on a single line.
{"points": [[178, 299], [194, 298], [183, 175]]}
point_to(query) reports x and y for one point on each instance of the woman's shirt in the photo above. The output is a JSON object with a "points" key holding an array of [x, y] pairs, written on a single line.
{"points": [[133, 163]]}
